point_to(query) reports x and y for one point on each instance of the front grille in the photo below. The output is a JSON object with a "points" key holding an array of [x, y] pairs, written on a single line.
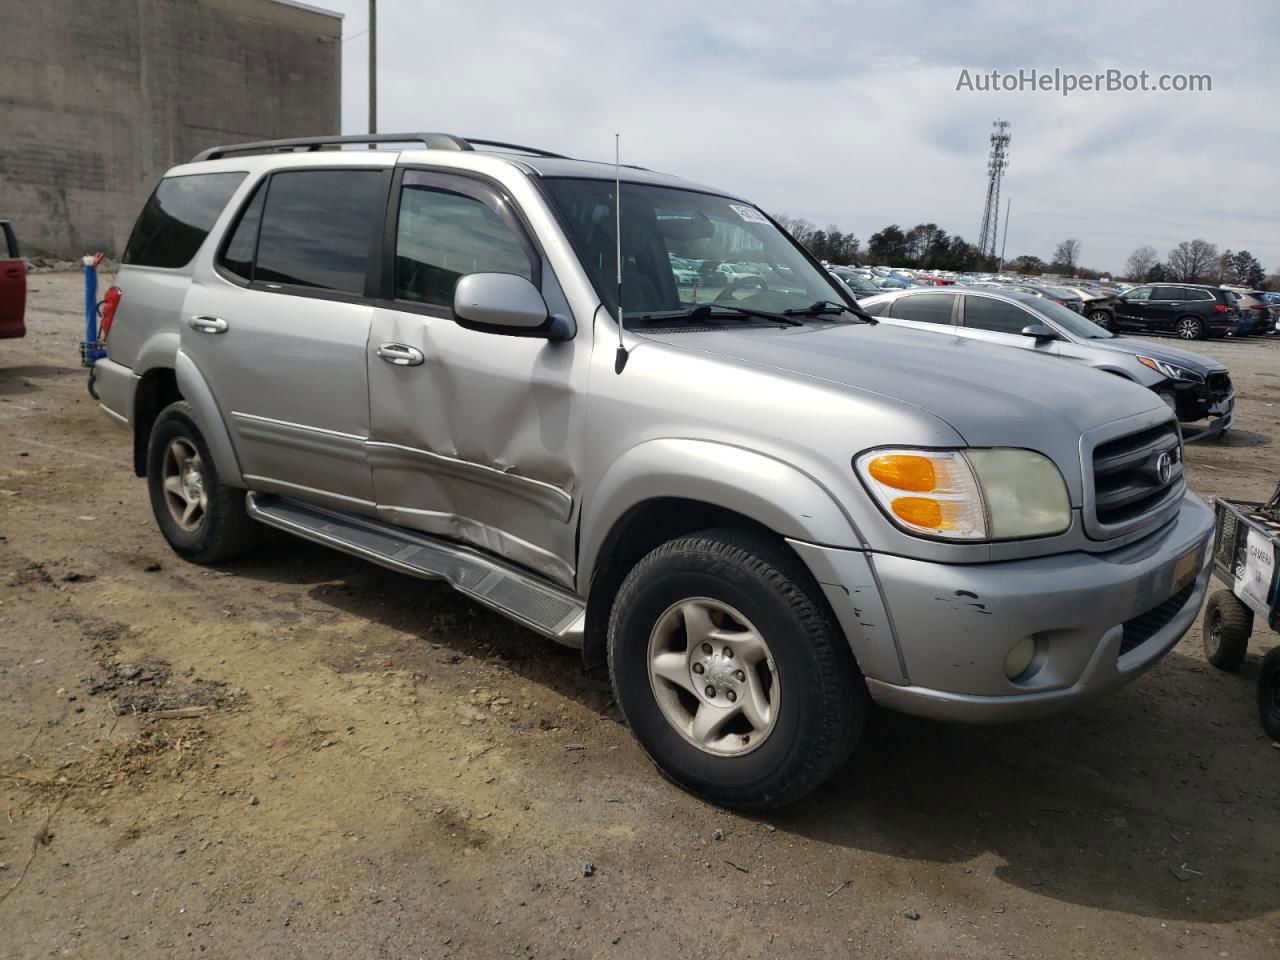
{"points": [[1219, 385], [1146, 625], [1126, 477]]}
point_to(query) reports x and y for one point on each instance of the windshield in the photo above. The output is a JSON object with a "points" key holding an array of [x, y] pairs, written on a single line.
{"points": [[1071, 321], [743, 259]]}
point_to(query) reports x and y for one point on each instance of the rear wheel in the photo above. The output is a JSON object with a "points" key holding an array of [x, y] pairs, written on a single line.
{"points": [[203, 519], [729, 670], [1227, 625], [1190, 328], [1269, 694]]}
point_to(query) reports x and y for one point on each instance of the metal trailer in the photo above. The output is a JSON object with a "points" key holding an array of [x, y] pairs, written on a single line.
{"points": [[1246, 545]]}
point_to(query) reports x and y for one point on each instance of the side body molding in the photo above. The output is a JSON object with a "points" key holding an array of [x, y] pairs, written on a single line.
{"points": [[196, 391], [776, 494]]}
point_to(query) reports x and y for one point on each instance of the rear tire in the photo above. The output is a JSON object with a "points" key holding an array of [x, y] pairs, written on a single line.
{"points": [[204, 520], [1190, 328], [686, 619], [1226, 629], [1269, 694]]}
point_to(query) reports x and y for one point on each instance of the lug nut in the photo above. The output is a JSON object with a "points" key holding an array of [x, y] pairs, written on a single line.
{"points": [[742, 677], [706, 648], [710, 691], [731, 695], [698, 668], [728, 654]]}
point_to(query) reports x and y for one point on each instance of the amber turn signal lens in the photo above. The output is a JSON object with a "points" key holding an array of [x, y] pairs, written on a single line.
{"points": [[903, 471], [920, 511]]}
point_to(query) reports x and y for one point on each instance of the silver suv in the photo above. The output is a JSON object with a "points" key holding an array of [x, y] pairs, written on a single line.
{"points": [[761, 508]]}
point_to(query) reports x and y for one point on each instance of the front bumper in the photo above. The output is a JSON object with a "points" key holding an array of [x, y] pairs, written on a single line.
{"points": [[1097, 620]]}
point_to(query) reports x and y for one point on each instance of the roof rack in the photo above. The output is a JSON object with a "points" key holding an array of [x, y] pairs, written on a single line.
{"points": [[432, 141]]}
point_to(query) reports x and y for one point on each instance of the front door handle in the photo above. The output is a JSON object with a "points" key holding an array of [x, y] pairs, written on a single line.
{"points": [[401, 354], [203, 324]]}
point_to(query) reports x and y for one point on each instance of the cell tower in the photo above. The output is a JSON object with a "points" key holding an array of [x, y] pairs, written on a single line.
{"points": [[997, 161]]}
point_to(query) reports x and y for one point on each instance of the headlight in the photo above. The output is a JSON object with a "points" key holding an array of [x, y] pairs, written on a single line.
{"points": [[968, 495], [1171, 370]]}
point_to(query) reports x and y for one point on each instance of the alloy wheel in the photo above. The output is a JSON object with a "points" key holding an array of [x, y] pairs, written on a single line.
{"points": [[184, 484], [713, 677]]}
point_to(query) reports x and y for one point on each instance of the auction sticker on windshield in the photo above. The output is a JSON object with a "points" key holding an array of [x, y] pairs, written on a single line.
{"points": [[1259, 569], [749, 214]]}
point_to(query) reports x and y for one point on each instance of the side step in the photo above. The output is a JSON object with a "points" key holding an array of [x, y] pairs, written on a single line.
{"points": [[541, 606]]}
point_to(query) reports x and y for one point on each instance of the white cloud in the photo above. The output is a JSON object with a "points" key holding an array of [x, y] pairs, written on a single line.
{"points": [[849, 114]]}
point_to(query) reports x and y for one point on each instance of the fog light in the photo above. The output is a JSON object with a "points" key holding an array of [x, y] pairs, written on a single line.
{"points": [[1019, 657]]}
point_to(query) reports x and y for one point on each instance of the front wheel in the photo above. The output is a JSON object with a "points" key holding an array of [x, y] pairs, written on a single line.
{"points": [[1227, 625], [203, 519], [729, 671], [1190, 328], [1102, 318]]}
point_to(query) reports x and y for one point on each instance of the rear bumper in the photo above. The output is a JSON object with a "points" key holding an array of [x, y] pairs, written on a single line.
{"points": [[1097, 621], [115, 386]]}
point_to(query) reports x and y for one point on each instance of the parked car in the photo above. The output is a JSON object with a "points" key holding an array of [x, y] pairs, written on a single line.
{"points": [[1253, 313], [1192, 311], [1098, 306], [1193, 386], [764, 513], [858, 285], [13, 285], [1067, 298], [736, 272]]}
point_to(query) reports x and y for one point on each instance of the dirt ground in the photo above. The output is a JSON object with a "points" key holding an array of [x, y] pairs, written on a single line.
{"points": [[305, 755]]}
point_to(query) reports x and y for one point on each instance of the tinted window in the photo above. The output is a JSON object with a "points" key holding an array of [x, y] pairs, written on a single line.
{"points": [[10, 241], [443, 236], [1167, 293], [1139, 293], [239, 253], [984, 313], [875, 309], [1198, 294], [925, 308], [178, 217], [317, 226]]}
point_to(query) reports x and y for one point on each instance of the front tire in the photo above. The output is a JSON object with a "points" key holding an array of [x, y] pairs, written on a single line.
{"points": [[730, 672], [204, 520], [1102, 318], [1190, 328], [1226, 629]]}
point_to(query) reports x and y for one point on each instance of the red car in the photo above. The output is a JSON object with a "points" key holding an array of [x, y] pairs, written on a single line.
{"points": [[13, 285]]}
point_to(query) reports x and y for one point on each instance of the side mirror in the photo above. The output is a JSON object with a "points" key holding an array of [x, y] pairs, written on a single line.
{"points": [[503, 303], [1039, 331]]}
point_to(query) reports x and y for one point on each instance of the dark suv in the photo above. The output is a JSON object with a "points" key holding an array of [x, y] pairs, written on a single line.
{"points": [[1190, 310]]}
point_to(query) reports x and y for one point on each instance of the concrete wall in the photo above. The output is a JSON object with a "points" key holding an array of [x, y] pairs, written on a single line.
{"points": [[99, 97]]}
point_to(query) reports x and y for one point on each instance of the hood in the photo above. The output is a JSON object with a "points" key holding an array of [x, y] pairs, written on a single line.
{"points": [[1159, 351], [991, 395]]}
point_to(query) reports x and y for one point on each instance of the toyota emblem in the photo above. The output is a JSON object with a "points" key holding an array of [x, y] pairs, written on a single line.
{"points": [[1164, 467]]}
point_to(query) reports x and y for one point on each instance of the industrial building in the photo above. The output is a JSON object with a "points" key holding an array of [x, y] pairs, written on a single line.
{"points": [[99, 97]]}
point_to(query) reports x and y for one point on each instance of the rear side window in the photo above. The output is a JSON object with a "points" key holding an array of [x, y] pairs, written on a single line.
{"points": [[1167, 293], [242, 248], [317, 228], [178, 217], [1198, 294], [985, 313], [442, 236], [924, 308]]}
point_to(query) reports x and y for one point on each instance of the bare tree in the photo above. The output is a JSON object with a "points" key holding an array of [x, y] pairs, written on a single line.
{"points": [[798, 227], [1140, 263], [1067, 255], [1192, 260]]}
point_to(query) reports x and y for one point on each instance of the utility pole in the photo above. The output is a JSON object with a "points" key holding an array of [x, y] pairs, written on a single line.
{"points": [[373, 66], [997, 161], [1005, 242]]}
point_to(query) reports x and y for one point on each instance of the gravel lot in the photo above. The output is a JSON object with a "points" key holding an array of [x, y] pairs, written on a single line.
{"points": [[302, 754]]}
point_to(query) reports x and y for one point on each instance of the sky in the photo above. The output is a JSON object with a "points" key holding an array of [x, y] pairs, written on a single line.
{"points": [[849, 113]]}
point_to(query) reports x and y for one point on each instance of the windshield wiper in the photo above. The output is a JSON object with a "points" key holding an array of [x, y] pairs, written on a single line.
{"points": [[831, 306], [708, 310]]}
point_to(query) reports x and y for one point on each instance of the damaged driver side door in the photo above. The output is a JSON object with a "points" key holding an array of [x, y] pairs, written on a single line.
{"points": [[474, 435]]}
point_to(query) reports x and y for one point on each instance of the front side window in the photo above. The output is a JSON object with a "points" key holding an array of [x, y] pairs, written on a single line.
{"points": [[1139, 294], [1000, 316], [317, 228], [177, 218], [924, 308], [242, 247], [743, 259], [442, 236]]}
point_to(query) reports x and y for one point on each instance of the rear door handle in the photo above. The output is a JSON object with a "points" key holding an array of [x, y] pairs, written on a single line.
{"points": [[401, 354], [203, 324]]}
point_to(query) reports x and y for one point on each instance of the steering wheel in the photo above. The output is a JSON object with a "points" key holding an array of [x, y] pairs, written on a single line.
{"points": [[742, 284]]}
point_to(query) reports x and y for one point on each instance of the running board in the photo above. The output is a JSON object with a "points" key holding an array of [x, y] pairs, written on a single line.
{"points": [[541, 606]]}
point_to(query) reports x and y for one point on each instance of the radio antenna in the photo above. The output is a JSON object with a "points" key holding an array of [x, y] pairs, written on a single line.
{"points": [[619, 358]]}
